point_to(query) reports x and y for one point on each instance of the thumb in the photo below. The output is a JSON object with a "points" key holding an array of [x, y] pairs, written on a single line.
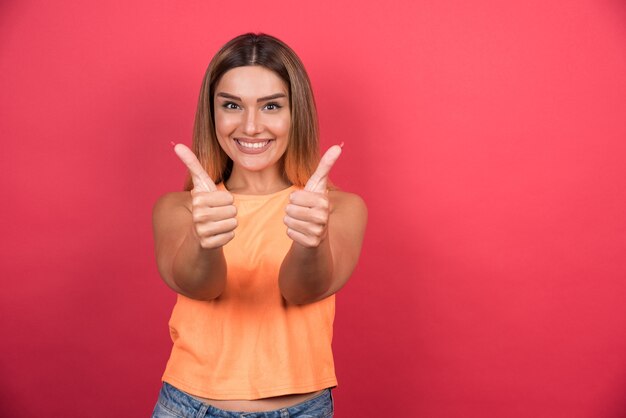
{"points": [[319, 179], [201, 180]]}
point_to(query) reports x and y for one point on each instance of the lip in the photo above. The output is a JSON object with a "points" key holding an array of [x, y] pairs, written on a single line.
{"points": [[246, 150]]}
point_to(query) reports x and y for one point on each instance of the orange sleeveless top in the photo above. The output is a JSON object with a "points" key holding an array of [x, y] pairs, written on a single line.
{"points": [[249, 343]]}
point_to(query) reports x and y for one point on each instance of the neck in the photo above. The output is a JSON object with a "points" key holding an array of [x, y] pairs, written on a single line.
{"points": [[256, 182]]}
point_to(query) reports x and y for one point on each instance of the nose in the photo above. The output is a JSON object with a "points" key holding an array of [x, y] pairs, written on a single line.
{"points": [[252, 124]]}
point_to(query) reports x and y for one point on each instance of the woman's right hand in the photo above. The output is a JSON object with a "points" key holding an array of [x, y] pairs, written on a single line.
{"points": [[213, 212]]}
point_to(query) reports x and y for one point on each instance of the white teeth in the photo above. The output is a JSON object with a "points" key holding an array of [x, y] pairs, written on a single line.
{"points": [[253, 144]]}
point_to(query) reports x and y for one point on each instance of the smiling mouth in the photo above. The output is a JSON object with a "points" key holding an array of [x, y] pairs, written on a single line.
{"points": [[252, 147]]}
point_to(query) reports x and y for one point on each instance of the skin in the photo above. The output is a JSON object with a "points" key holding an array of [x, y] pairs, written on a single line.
{"points": [[190, 229]]}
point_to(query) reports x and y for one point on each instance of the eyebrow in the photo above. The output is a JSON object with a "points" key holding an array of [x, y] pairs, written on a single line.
{"points": [[261, 99]]}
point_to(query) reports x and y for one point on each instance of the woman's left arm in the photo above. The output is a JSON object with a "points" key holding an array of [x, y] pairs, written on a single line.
{"points": [[327, 232]]}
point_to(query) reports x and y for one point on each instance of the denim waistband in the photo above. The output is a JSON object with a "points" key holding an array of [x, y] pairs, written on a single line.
{"points": [[176, 403]]}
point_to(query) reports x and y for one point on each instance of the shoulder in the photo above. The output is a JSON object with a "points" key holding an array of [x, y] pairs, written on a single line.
{"points": [[171, 202], [340, 198], [349, 203]]}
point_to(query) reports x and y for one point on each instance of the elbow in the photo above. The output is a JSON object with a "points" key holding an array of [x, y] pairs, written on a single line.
{"points": [[206, 297], [205, 292], [301, 297], [299, 301]]}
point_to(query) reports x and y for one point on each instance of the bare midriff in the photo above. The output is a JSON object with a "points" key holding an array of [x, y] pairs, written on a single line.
{"points": [[260, 405]]}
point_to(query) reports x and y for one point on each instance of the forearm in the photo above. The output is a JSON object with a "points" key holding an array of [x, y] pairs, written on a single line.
{"points": [[306, 272], [199, 272]]}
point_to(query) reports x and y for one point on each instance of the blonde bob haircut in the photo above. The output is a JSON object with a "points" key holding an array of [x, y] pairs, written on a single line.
{"points": [[302, 154]]}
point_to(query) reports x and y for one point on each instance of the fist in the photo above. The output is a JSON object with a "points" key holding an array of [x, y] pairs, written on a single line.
{"points": [[212, 210], [214, 217], [308, 210]]}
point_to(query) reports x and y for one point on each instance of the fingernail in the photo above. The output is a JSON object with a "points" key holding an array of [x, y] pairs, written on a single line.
{"points": [[173, 144], [341, 145]]}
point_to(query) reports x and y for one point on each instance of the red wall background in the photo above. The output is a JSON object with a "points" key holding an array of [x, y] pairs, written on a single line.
{"points": [[488, 139]]}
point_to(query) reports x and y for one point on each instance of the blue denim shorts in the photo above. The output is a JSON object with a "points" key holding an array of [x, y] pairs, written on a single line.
{"points": [[175, 403]]}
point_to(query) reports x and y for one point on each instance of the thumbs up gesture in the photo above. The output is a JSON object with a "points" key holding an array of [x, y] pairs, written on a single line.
{"points": [[308, 210], [213, 211]]}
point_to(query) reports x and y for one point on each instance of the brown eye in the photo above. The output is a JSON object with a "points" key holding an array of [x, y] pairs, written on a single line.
{"points": [[230, 106]]}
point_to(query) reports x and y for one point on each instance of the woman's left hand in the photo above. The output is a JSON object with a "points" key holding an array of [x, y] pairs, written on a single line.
{"points": [[308, 210]]}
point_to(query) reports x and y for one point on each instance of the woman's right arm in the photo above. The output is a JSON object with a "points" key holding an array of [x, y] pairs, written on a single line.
{"points": [[189, 232]]}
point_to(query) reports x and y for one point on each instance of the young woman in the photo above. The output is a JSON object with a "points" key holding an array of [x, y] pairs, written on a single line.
{"points": [[257, 245]]}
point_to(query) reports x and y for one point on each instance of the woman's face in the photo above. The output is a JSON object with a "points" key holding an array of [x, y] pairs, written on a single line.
{"points": [[252, 117]]}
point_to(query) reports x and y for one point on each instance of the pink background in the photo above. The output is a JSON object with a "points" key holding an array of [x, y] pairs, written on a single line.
{"points": [[488, 139]]}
